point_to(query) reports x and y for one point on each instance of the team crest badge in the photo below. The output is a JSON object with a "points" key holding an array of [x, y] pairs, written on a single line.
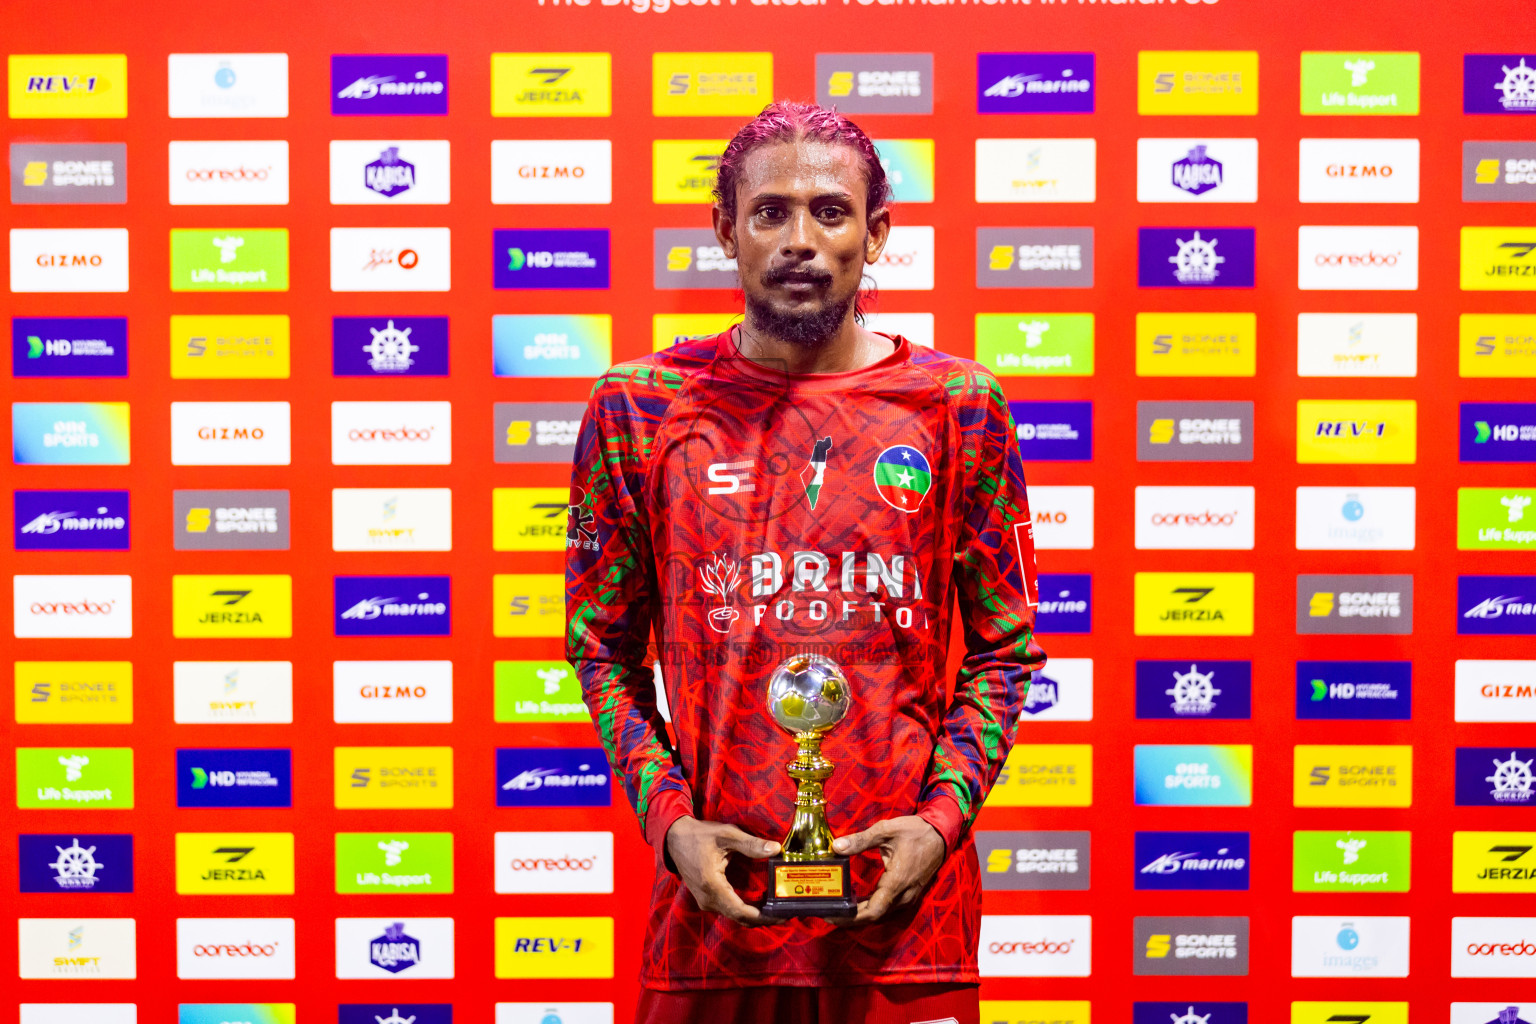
{"points": [[903, 477]]}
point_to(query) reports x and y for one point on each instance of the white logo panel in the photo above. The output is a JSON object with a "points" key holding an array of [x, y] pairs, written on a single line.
{"points": [[564, 1013], [393, 691], [228, 84], [72, 606], [382, 949], [1495, 691], [1355, 518], [1035, 170], [1197, 170], [399, 172], [1357, 345], [1348, 258], [1359, 171], [1194, 518], [1493, 947], [76, 948], [1063, 517], [234, 947], [69, 259], [233, 692], [391, 433], [390, 260], [85, 1013], [1036, 946], [907, 262], [915, 327], [391, 519], [1061, 692], [229, 173], [1349, 947], [554, 862], [551, 171], [230, 433]]}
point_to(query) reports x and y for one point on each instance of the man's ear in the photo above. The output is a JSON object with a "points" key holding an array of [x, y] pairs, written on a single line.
{"points": [[725, 230], [878, 234]]}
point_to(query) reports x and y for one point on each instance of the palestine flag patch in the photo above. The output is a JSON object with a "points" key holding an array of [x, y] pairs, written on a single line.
{"points": [[902, 477]]}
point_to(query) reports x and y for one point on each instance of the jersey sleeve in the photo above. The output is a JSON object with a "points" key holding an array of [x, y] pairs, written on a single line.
{"points": [[610, 595], [994, 574]]}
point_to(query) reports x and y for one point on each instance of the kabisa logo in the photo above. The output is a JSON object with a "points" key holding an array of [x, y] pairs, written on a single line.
{"points": [[1354, 690], [77, 862], [380, 1013], [394, 951], [1066, 603], [1194, 775], [875, 83], [1354, 604], [1194, 431], [1191, 1013], [71, 520], [398, 346], [1053, 431], [1061, 692], [1499, 83], [1192, 860], [234, 778], [1496, 605], [392, 606], [1191, 945], [1498, 432], [573, 258], [389, 84], [1495, 776], [1350, 862], [1196, 172], [1034, 861], [69, 172], [1194, 689], [1203, 257], [69, 346], [1034, 83], [389, 175], [553, 777]]}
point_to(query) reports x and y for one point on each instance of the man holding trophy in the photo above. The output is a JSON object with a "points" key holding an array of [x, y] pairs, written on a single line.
{"points": [[794, 508]]}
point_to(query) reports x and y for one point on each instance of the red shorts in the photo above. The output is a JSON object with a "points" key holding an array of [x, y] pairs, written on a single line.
{"points": [[846, 1004]]}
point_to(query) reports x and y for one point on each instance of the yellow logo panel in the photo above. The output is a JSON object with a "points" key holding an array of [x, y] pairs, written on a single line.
{"points": [[74, 692], [1493, 862], [67, 84], [1197, 82], [1194, 604], [529, 604], [1497, 345], [1035, 1011], [228, 347], [551, 85], [529, 518], [554, 947], [710, 84], [1498, 259], [1045, 775], [683, 170], [231, 606], [1195, 344], [1357, 432], [394, 777], [1334, 1013], [667, 329], [215, 863], [1352, 776]]}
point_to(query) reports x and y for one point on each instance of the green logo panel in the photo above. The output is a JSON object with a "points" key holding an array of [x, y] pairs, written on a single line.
{"points": [[394, 862], [1035, 344], [77, 778], [229, 260], [538, 691], [1496, 519], [1350, 862], [1359, 83]]}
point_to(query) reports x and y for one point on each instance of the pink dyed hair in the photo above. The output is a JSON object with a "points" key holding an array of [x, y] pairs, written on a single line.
{"points": [[784, 121]]}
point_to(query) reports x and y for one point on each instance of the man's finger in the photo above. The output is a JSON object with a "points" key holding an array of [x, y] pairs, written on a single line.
{"points": [[737, 841], [858, 842]]}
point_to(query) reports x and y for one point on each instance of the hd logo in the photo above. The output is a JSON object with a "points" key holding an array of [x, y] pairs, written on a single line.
{"points": [[214, 863], [710, 84], [231, 606], [1194, 604]]}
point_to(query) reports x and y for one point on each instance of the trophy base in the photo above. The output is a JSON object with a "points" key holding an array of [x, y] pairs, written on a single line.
{"points": [[810, 888]]}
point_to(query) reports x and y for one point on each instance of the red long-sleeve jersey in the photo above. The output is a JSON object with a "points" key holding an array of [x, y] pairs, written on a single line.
{"points": [[745, 514]]}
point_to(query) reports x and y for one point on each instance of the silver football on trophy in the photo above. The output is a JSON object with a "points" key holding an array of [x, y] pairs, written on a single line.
{"points": [[808, 693]]}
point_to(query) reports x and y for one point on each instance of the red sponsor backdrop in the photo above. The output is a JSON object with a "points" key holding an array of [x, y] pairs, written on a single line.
{"points": [[309, 34]]}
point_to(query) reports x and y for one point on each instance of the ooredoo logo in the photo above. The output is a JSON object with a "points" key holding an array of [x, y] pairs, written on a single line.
{"points": [[554, 862], [1493, 947], [244, 949], [391, 433], [73, 606], [1205, 518], [1331, 258], [250, 947], [219, 173], [1051, 946]]}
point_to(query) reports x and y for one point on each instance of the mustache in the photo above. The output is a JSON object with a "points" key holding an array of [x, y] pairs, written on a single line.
{"points": [[783, 275]]}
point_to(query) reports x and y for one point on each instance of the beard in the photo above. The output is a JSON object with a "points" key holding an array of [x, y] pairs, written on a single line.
{"points": [[807, 329]]}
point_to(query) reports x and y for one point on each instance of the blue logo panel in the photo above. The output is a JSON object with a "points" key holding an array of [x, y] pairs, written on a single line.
{"points": [[76, 862], [371, 84], [1496, 605], [1498, 432], [221, 777], [1192, 860], [553, 777], [570, 258], [95, 346], [71, 520], [1066, 603], [389, 346], [372, 1013], [1498, 83], [1179, 1013], [1053, 431], [1379, 690], [1194, 689], [1034, 83], [393, 606], [1208, 257], [1495, 776]]}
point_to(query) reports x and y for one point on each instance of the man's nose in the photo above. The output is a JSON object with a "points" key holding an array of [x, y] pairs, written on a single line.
{"points": [[799, 234]]}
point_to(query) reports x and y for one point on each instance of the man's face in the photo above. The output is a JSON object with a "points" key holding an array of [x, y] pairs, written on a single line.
{"points": [[801, 236]]}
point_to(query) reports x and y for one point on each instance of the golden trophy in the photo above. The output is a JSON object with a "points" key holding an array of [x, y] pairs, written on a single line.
{"points": [[807, 695]]}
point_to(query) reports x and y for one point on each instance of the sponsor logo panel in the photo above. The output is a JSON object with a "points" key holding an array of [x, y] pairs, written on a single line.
{"points": [[391, 519], [384, 950], [1354, 690], [1491, 172], [391, 433], [1359, 83], [379, 778], [69, 259], [1195, 518], [538, 691], [550, 258], [1350, 861], [1494, 519], [566, 1013], [1496, 605], [76, 948], [1196, 344], [528, 604], [1211, 1013], [1359, 171], [552, 777], [1323, 1013], [1352, 947], [74, 778], [1355, 518], [554, 862], [69, 172], [1197, 82], [229, 260], [1497, 345], [551, 85], [1486, 778], [1061, 692], [1193, 860], [393, 691], [74, 692], [1036, 946], [230, 433], [1352, 776], [229, 1013], [1035, 83], [908, 167], [1499, 83], [1194, 431], [393, 605], [1194, 689], [1053, 431], [224, 347], [548, 171], [1063, 517], [907, 262], [223, 777], [1208, 257], [394, 862], [1066, 603], [1498, 259], [1495, 691], [875, 83], [535, 519], [1357, 345], [537, 432], [231, 520], [1194, 775], [371, 84], [235, 947], [703, 84], [1046, 775], [74, 863], [668, 329], [1498, 432], [1034, 861], [394, 346], [1377, 433], [554, 947], [94, 346], [227, 173], [233, 692], [234, 863], [1034, 257], [1357, 258], [68, 607], [232, 606], [551, 345], [67, 85], [1190, 945], [691, 258], [228, 84], [371, 1013], [389, 172], [71, 520], [1036, 170], [1493, 862], [1493, 947], [1194, 604], [1035, 344], [391, 259], [1197, 170], [683, 170]]}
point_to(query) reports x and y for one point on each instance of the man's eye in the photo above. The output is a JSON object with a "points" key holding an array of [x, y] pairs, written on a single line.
{"points": [[770, 212]]}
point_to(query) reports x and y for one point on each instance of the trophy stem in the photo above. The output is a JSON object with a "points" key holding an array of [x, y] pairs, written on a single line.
{"points": [[809, 837]]}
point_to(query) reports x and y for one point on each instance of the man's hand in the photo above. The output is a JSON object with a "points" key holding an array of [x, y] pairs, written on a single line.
{"points": [[700, 851], [912, 850]]}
